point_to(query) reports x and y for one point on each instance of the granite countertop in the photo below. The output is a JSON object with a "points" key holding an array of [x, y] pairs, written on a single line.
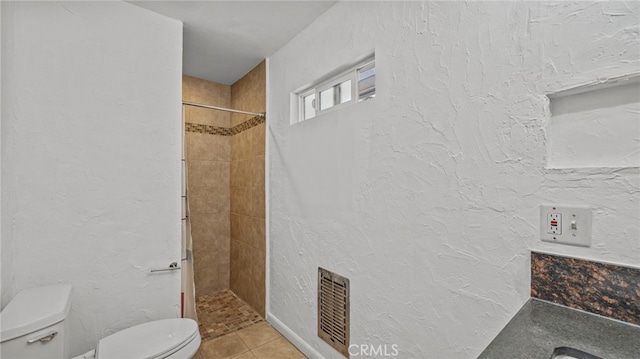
{"points": [[540, 327]]}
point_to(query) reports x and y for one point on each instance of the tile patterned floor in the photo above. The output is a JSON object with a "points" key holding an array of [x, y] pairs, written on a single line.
{"points": [[230, 328], [223, 313], [258, 341]]}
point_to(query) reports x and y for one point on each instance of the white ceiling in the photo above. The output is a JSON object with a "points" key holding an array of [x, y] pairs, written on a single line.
{"points": [[223, 40]]}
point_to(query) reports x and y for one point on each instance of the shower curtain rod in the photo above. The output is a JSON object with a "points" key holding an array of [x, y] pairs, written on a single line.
{"points": [[222, 108]]}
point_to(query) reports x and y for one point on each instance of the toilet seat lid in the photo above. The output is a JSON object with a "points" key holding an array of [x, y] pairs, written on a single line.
{"points": [[148, 340]]}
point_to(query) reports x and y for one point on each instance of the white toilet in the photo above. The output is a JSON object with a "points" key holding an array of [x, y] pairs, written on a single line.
{"points": [[33, 325]]}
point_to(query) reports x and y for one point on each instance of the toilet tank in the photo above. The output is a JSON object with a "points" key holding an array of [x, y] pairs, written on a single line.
{"points": [[33, 324]]}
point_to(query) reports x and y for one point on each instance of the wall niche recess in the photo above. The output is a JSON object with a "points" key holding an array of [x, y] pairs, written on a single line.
{"points": [[595, 126]]}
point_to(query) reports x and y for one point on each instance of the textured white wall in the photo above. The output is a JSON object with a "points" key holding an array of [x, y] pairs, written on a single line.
{"points": [[91, 159], [600, 127], [5, 254], [427, 196]]}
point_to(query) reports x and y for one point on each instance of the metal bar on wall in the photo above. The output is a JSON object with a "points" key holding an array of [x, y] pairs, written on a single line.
{"points": [[222, 108]]}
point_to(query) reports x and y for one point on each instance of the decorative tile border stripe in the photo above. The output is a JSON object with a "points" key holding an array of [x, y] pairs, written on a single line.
{"points": [[605, 289], [212, 130], [252, 122], [224, 131]]}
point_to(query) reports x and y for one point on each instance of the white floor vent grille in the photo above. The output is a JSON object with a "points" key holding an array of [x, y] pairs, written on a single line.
{"points": [[333, 310]]}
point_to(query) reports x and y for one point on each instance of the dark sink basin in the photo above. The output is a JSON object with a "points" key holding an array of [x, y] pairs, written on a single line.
{"points": [[570, 353]]}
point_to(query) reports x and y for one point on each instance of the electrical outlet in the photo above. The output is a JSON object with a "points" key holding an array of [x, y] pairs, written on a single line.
{"points": [[554, 223], [565, 224]]}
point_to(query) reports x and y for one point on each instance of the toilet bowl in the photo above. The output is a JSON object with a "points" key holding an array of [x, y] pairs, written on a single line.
{"points": [[34, 325]]}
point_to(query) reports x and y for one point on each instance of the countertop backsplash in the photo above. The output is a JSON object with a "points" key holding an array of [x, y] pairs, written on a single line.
{"points": [[606, 289]]}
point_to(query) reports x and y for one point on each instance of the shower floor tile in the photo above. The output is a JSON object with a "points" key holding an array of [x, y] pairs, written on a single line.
{"points": [[223, 313]]}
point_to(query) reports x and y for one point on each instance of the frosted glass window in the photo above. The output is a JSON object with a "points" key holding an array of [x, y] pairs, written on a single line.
{"points": [[326, 98], [309, 109], [345, 91]]}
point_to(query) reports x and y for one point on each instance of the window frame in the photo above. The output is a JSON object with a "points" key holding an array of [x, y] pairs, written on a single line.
{"points": [[301, 105], [334, 82]]}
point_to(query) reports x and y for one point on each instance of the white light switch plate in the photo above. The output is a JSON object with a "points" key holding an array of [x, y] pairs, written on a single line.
{"points": [[565, 224]]}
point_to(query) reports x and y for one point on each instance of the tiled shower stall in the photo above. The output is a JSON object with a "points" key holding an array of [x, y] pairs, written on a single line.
{"points": [[226, 192]]}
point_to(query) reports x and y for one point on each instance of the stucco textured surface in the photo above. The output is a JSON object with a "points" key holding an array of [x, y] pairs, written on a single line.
{"points": [[5, 244], [427, 196], [91, 160]]}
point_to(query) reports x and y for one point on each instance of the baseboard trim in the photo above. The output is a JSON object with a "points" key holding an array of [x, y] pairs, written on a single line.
{"points": [[299, 343]]}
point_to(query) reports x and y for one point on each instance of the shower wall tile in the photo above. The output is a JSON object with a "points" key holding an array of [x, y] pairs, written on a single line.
{"points": [[208, 166], [242, 288], [233, 175], [258, 234], [222, 249], [262, 294], [257, 264], [240, 173], [235, 224], [255, 173], [223, 200], [223, 275], [235, 256], [221, 224], [234, 278], [241, 200], [249, 93], [235, 199], [234, 274], [201, 146], [261, 139], [246, 172], [204, 277], [204, 116], [208, 173], [202, 261], [202, 228], [258, 292], [223, 148], [246, 256], [202, 173], [257, 285], [240, 227], [208, 93], [224, 169], [204, 199], [204, 146], [256, 140], [240, 146], [252, 234], [187, 140], [258, 202], [235, 143], [247, 275]]}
